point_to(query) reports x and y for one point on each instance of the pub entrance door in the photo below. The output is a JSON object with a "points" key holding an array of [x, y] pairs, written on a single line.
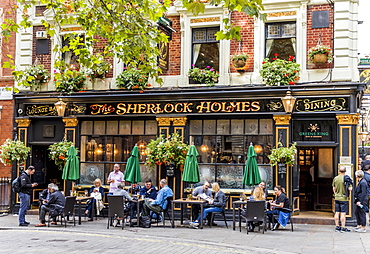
{"points": [[316, 167]]}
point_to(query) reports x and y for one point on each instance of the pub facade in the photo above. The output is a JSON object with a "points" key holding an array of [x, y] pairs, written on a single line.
{"points": [[221, 121]]}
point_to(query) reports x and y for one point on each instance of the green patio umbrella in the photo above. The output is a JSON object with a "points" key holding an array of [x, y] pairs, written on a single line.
{"points": [[251, 173], [71, 171], [132, 173], [191, 169]]}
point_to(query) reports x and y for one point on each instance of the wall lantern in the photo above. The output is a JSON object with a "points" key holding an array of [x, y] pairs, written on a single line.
{"points": [[258, 149], [60, 107], [288, 102]]}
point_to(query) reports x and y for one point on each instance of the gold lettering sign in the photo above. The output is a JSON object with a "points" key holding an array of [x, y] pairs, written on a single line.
{"points": [[41, 110], [281, 14], [329, 104], [205, 20]]}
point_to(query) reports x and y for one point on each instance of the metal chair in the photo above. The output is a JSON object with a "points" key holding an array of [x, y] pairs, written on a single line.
{"points": [[115, 209], [255, 213], [164, 212], [221, 213], [285, 210], [68, 210]]}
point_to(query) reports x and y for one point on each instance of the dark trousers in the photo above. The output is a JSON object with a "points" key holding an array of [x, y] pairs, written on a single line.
{"points": [[44, 209], [195, 211], [270, 214], [89, 208], [360, 216], [147, 207]]}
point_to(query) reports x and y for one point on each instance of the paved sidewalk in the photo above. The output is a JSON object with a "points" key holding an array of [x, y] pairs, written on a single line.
{"points": [[94, 237]]}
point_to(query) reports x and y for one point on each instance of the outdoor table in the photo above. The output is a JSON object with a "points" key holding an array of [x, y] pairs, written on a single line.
{"points": [[79, 201], [183, 202], [138, 203], [238, 204]]}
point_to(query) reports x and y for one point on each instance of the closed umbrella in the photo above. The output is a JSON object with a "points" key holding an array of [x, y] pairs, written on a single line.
{"points": [[71, 171], [251, 173], [191, 169], [132, 173]]}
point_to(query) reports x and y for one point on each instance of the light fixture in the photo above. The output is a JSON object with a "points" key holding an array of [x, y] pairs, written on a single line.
{"points": [[204, 148], [60, 107], [258, 149], [288, 102]]}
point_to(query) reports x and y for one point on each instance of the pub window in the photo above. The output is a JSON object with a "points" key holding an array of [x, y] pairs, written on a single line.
{"points": [[104, 143], [223, 144], [205, 48], [69, 57], [281, 39]]}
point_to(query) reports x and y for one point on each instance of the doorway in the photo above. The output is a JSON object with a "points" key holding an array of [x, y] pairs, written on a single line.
{"points": [[315, 181], [46, 170]]}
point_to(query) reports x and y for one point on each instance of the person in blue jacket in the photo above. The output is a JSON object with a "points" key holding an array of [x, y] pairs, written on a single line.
{"points": [[96, 188]]}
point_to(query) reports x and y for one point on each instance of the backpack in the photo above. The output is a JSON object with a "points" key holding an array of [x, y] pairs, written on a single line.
{"points": [[16, 184]]}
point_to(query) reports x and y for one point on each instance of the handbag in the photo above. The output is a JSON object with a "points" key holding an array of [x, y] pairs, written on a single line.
{"points": [[96, 195]]}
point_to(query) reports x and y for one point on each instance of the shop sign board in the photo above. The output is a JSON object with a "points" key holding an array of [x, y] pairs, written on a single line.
{"points": [[314, 130]]}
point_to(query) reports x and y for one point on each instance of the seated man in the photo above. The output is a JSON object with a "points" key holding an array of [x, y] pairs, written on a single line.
{"points": [[44, 195], [200, 190], [134, 189], [54, 205], [160, 203], [148, 191], [126, 197]]}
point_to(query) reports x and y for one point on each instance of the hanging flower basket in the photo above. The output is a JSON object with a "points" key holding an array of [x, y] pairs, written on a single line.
{"points": [[12, 151], [320, 54], [320, 59], [58, 152], [239, 61]]}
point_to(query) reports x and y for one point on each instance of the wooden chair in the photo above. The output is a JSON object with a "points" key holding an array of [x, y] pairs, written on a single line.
{"points": [[164, 212], [255, 213], [68, 210], [115, 209]]}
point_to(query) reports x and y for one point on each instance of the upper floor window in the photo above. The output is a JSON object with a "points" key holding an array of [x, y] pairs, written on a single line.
{"points": [[281, 39], [205, 48]]}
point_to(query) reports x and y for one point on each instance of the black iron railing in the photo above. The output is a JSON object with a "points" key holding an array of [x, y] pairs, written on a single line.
{"points": [[5, 193]]}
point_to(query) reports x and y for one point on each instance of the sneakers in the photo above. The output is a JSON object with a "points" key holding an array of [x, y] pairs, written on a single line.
{"points": [[194, 225], [360, 230], [23, 224], [276, 226], [345, 230], [115, 223], [338, 229]]}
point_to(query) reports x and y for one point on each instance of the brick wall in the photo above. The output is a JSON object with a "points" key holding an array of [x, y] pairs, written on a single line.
{"points": [[174, 49], [313, 34], [6, 130], [41, 59], [247, 39]]}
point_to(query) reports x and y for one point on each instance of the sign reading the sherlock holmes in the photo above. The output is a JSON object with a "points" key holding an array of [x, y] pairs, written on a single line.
{"points": [[321, 130], [316, 105], [41, 110], [196, 107]]}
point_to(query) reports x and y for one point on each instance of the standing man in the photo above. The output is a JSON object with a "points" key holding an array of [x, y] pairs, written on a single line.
{"points": [[367, 178], [341, 185], [24, 194], [365, 162], [115, 177], [200, 190]]}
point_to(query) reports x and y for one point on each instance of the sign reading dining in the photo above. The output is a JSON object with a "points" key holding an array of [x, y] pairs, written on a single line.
{"points": [[181, 107]]}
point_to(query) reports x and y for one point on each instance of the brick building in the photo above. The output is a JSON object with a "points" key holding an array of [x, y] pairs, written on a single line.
{"points": [[221, 121]]}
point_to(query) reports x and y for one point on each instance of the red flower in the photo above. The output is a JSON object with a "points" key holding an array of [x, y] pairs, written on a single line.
{"points": [[61, 157], [276, 54], [274, 59], [141, 91], [263, 62], [291, 83]]}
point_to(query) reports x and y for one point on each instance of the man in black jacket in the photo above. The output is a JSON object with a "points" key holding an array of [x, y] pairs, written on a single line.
{"points": [[54, 205], [24, 194]]}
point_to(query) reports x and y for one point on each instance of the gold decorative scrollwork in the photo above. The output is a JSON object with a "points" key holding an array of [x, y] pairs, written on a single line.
{"points": [[164, 121], [70, 122], [281, 14], [274, 105], [351, 119], [205, 20], [79, 109], [179, 121], [24, 122], [282, 119]]}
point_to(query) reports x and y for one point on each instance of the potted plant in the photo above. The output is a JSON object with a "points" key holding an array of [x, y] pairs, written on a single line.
{"points": [[281, 154], [133, 79], [33, 76], [320, 54], [58, 152], [98, 69], [206, 76], [69, 79], [280, 72], [239, 60], [13, 150], [166, 151]]}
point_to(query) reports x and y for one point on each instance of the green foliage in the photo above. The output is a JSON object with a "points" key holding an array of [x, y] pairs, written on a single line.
{"points": [[283, 154], [68, 79], [320, 49], [98, 68], [58, 152], [133, 79], [33, 76], [241, 57], [280, 72], [12, 151], [206, 76], [164, 151]]}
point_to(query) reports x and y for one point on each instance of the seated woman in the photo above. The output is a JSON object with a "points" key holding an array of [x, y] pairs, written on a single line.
{"points": [[98, 199], [278, 207], [257, 195], [215, 205]]}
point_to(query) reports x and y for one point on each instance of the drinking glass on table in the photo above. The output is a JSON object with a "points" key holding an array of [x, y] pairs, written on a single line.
{"points": [[86, 193]]}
